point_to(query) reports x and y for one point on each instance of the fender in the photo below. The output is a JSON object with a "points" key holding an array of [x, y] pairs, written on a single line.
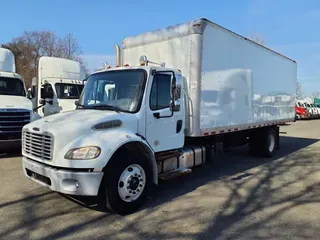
{"points": [[109, 141], [128, 138]]}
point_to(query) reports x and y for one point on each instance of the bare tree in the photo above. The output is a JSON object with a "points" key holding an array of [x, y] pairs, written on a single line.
{"points": [[316, 94], [32, 45], [257, 39], [260, 40]]}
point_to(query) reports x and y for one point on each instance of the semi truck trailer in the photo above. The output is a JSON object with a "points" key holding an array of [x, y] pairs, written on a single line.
{"points": [[15, 108], [177, 97]]}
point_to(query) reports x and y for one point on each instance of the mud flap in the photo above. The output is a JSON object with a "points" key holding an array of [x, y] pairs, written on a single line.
{"points": [[277, 129]]}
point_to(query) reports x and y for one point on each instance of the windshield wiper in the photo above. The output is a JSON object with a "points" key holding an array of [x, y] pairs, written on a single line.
{"points": [[105, 107]]}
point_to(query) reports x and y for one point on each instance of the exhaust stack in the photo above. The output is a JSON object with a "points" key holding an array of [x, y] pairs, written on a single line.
{"points": [[118, 55]]}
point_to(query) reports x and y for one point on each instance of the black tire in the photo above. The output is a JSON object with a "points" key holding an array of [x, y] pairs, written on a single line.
{"points": [[109, 188], [263, 142], [298, 117]]}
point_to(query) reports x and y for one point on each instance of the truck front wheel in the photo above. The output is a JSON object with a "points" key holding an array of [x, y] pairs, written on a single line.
{"points": [[126, 183]]}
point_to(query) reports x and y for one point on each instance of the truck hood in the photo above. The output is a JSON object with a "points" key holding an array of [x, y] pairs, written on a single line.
{"points": [[68, 126], [72, 130], [19, 102]]}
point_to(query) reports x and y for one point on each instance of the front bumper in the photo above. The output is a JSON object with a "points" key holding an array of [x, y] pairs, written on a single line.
{"points": [[63, 181]]}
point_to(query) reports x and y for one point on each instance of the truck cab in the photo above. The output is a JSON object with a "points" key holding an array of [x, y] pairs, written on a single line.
{"points": [[126, 109], [15, 108], [58, 85]]}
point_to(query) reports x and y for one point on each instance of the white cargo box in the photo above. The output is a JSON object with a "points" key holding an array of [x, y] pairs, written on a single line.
{"points": [[7, 63], [233, 83]]}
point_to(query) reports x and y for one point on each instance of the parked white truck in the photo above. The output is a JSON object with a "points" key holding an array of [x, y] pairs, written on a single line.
{"points": [[15, 107], [138, 123], [58, 85]]}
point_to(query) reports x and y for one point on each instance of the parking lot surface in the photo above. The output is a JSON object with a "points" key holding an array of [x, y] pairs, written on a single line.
{"points": [[242, 197]]}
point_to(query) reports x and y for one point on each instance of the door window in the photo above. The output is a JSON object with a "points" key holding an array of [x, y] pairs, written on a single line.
{"points": [[160, 92]]}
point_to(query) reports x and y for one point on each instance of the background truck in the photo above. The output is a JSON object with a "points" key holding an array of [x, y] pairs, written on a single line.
{"points": [[313, 113], [58, 85], [301, 111], [15, 107], [317, 102], [138, 123]]}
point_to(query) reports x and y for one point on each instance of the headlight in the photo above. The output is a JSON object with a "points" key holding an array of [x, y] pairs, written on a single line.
{"points": [[83, 153]]}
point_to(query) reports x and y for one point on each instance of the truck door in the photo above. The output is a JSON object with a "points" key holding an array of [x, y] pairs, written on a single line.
{"points": [[164, 127], [49, 95]]}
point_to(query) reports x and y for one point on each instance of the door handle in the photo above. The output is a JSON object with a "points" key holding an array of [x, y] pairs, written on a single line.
{"points": [[179, 126]]}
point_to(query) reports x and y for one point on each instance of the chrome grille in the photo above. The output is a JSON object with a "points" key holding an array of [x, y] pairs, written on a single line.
{"points": [[12, 122], [38, 145]]}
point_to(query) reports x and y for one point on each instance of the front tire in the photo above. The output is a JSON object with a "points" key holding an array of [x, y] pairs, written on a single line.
{"points": [[126, 183]]}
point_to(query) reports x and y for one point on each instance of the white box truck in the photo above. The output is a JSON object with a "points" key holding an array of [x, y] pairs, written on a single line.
{"points": [[15, 108], [57, 86], [198, 88]]}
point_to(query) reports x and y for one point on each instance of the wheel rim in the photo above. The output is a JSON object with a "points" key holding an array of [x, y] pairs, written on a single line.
{"points": [[271, 142], [131, 183]]}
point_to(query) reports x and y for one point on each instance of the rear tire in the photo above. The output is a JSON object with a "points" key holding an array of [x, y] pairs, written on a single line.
{"points": [[298, 117], [126, 183], [263, 142]]}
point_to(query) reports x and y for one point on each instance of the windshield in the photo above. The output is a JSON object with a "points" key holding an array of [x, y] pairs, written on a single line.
{"points": [[11, 86], [68, 90], [122, 89]]}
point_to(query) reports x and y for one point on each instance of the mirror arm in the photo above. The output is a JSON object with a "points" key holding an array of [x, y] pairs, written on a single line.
{"points": [[36, 108]]}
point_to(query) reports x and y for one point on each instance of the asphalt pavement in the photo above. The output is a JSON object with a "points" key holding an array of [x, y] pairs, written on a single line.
{"points": [[242, 197]]}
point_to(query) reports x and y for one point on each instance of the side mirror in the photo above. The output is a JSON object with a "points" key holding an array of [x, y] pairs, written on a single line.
{"points": [[177, 92], [175, 103], [46, 94], [173, 86], [49, 94]]}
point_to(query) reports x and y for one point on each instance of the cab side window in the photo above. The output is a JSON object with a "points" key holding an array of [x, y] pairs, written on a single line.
{"points": [[160, 92]]}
